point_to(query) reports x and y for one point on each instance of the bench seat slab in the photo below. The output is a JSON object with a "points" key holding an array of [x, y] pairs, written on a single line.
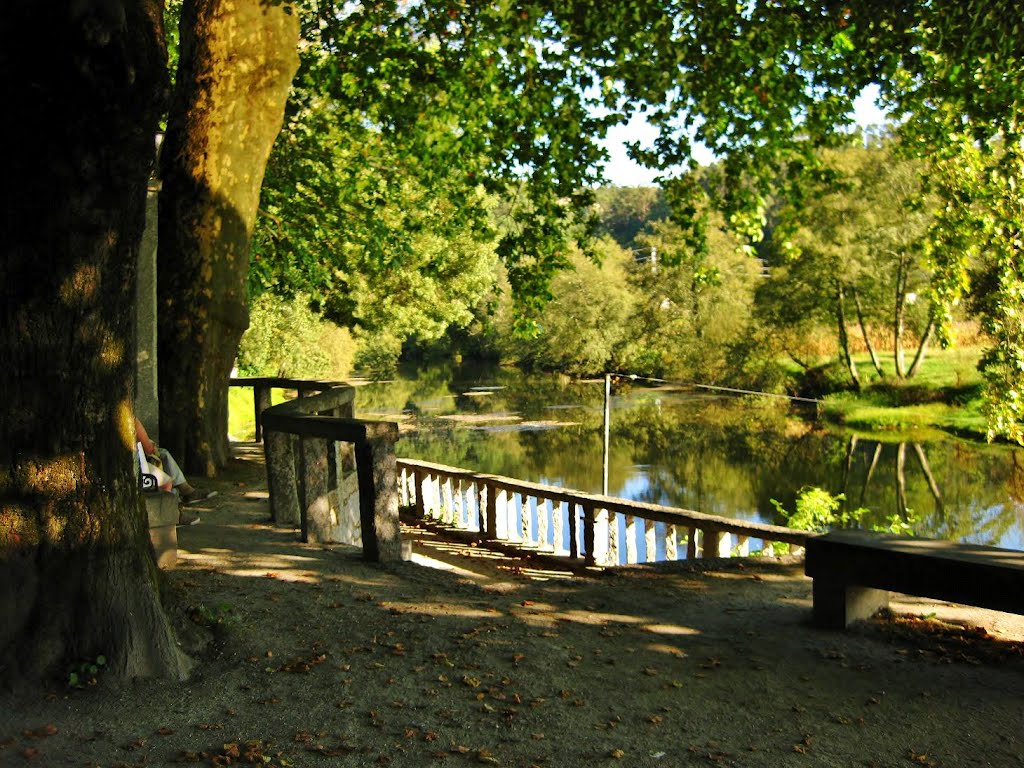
{"points": [[852, 564]]}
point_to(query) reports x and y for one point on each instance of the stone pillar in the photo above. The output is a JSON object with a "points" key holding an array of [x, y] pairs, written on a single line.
{"points": [[378, 493], [282, 482]]}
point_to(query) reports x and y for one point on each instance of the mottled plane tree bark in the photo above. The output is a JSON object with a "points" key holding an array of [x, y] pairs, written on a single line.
{"points": [[83, 86], [237, 61]]}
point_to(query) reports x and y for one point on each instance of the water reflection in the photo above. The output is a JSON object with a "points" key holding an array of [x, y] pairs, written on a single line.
{"points": [[722, 456]]}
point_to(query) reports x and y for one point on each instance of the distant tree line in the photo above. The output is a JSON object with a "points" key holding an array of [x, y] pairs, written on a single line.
{"points": [[852, 277]]}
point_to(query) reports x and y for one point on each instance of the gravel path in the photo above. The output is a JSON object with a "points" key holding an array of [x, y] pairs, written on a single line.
{"points": [[307, 656]]}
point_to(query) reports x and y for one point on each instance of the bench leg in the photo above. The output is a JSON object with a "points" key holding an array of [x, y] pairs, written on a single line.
{"points": [[162, 510], [837, 604]]}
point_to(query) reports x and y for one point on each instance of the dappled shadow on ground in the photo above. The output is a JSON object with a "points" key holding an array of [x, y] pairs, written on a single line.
{"points": [[307, 655]]}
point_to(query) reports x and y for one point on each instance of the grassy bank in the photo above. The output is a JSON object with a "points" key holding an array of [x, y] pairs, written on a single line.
{"points": [[242, 411], [945, 395]]}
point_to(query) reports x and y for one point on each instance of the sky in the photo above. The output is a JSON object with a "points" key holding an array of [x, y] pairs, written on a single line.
{"points": [[623, 172]]}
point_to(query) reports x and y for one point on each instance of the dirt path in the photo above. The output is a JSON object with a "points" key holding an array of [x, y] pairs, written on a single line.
{"points": [[307, 656]]}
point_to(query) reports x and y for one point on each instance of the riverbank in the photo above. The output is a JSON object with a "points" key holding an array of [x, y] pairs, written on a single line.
{"points": [[308, 656], [880, 413], [945, 396]]}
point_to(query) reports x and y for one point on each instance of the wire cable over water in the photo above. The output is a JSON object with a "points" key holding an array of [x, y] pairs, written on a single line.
{"points": [[733, 390]]}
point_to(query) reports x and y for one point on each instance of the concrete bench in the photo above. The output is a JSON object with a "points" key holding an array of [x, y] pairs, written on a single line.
{"points": [[162, 511], [854, 571], [162, 514]]}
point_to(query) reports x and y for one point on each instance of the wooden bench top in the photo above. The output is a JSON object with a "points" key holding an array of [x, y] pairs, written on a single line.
{"points": [[972, 574]]}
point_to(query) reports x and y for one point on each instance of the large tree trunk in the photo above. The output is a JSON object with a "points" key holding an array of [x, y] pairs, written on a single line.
{"points": [[237, 63], [77, 576], [899, 313], [922, 346], [867, 337], [844, 338]]}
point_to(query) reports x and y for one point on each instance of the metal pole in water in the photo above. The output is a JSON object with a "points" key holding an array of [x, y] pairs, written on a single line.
{"points": [[607, 430]]}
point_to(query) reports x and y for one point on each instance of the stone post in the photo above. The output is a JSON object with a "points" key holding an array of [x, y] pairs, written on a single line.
{"points": [[378, 492], [278, 447], [261, 401], [320, 520]]}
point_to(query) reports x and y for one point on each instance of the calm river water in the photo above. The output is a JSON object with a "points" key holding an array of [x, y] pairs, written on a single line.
{"points": [[720, 455]]}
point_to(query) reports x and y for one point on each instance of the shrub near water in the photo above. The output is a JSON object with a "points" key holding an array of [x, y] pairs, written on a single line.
{"points": [[819, 511], [287, 338]]}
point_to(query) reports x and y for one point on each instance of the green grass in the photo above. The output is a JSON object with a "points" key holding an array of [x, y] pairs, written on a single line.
{"points": [[942, 369], [241, 416], [944, 395], [241, 413]]}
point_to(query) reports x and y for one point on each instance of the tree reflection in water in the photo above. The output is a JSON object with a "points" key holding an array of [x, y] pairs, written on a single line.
{"points": [[724, 456]]}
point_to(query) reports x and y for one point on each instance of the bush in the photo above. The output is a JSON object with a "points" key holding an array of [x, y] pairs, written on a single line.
{"points": [[287, 338], [378, 354]]}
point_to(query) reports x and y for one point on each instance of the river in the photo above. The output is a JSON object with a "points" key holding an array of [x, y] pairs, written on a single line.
{"points": [[719, 454]]}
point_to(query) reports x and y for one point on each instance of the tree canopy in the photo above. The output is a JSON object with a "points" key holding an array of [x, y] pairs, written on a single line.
{"points": [[448, 102]]}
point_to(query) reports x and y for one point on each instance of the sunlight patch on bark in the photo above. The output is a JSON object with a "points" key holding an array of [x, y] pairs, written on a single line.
{"points": [[55, 478], [125, 424], [111, 352], [17, 528], [81, 286]]}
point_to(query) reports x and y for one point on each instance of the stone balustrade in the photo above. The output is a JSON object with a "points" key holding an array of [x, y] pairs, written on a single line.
{"points": [[329, 473], [600, 530]]}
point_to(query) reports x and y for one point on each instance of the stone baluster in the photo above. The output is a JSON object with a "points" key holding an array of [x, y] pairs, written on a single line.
{"points": [[543, 528], [557, 529], [650, 542], [589, 535], [671, 551], [631, 539], [447, 503], [691, 544], [437, 486], [403, 487], [612, 556], [742, 546], [716, 543]]}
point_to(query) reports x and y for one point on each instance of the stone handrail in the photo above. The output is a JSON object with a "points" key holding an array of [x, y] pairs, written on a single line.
{"points": [[332, 474], [261, 386], [600, 530]]}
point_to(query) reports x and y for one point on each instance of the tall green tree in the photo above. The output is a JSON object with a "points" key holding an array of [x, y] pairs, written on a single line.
{"points": [[691, 302], [346, 221], [585, 325], [626, 211], [860, 259]]}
